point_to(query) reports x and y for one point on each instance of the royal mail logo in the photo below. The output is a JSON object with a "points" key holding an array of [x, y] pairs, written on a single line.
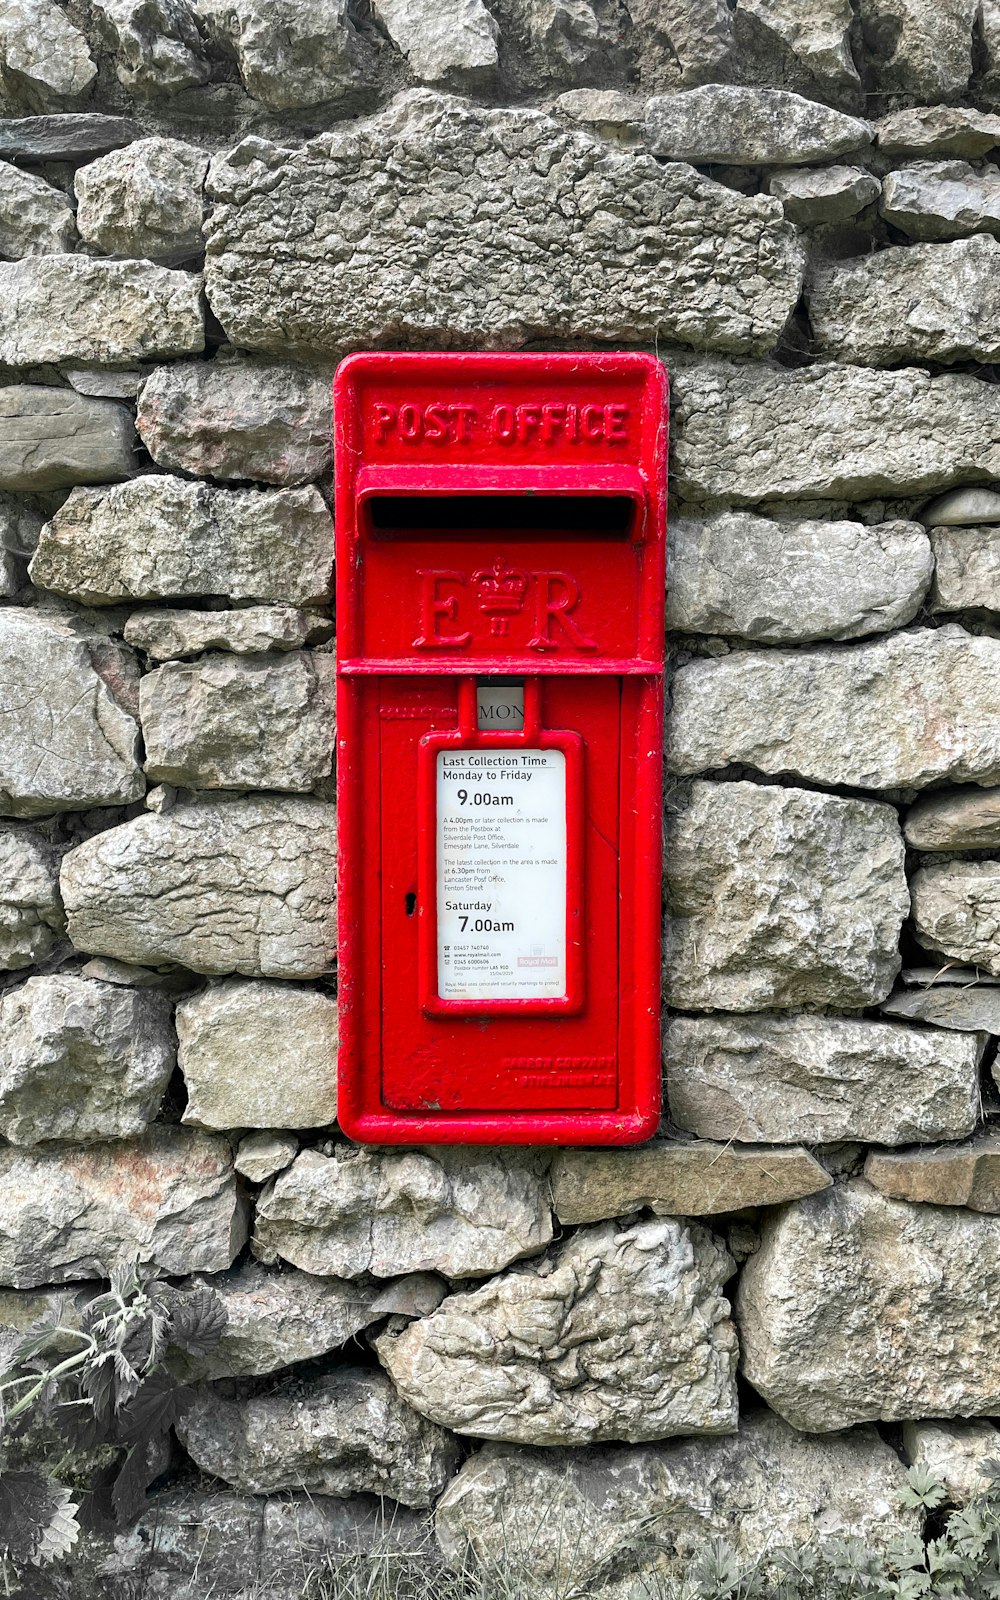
{"points": [[450, 598], [500, 592]]}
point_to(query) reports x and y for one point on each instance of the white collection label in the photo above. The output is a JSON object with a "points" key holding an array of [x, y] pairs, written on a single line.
{"points": [[501, 874]]}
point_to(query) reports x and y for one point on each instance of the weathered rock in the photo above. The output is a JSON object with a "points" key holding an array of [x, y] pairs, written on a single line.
{"points": [[70, 308], [568, 235], [308, 55], [81, 1060], [571, 1516], [31, 915], [66, 743], [168, 1199], [780, 898], [163, 538], [144, 201], [567, 41], [789, 582], [54, 438], [240, 722], [937, 131], [611, 113], [345, 1433], [452, 42], [955, 819], [799, 44], [674, 1179], [892, 713], [749, 127], [156, 45], [970, 1007], [941, 200], [956, 911], [956, 1453], [959, 1175], [548, 1354], [235, 885], [920, 51], [242, 418], [966, 569], [821, 1079], [35, 218], [962, 508], [824, 194], [43, 54], [260, 1156], [258, 1055], [20, 524], [682, 42], [73, 136], [859, 1308], [462, 1212], [106, 383], [165, 635]]}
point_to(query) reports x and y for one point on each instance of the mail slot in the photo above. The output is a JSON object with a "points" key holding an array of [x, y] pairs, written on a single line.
{"points": [[500, 577]]}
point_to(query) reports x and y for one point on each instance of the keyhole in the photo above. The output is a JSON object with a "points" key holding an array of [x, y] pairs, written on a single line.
{"points": [[411, 904]]}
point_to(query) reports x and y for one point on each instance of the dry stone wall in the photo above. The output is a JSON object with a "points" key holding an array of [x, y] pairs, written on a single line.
{"points": [[751, 1325]]}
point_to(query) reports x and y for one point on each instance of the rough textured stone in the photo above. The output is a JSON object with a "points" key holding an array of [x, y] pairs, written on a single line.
{"points": [[917, 50], [962, 508], [260, 1156], [305, 54], [824, 194], [73, 136], [956, 1453], [31, 915], [956, 911], [958, 1175], [54, 438], [81, 1060], [612, 113], [674, 1179], [970, 1006], [900, 712], [165, 635], [822, 1079], [242, 885], [937, 131], [70, 308], [465, 1213], [790, 582], [955, 819], [163, 538], [341, 1434], [782, 898], [241, 418], [43, 53], [966, 569], [35, 218], [570, 41], [240, 722], [144, 201], [558, 235], [859, 1308], [941, 200], [168, 1198], [569, 1516], [157, 48], [258, 1055], [444, 41], [105, 383], [66, 743], [799, 44], [548, 1352], [20, 524], [682, 42], [749, 127]]}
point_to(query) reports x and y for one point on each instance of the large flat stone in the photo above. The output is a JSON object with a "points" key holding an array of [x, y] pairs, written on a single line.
{"points": [[165, 538], [243, 885], [969, 1007], [820, 1079], [462, 1212], [35, 218], [31, 914], [962, 508], [896, 713], [791, 582], [857, 1308], [941, 200], [547, 1353], [960, 1175], [55, 438], [676, 1179], [955, 819], [780, 898], [145, 201], [956, 911], [966, 569], [72, 308], [937, 131], [240, 722], [559, 235], [168, 1198], [238, 1042], [165, 635], [70, 136], [722, 122]]}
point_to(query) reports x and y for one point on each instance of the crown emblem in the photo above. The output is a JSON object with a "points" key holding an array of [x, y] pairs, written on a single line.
{"points": [[500, 592]]}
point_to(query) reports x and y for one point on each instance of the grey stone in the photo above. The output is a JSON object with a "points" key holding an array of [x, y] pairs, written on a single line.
{"points": [[156, 45], [956, 1175], [241, 418], [918, 49], [258, 1055], [898, 1302], [962, 508], [933, 302], [547, 1353], [43, 54], [561, 234], [240, 722], [901, 712], [165, 635], [35, 218], [749, 127], [66, 742], [941, 200], [72, 136], [20, 524], [260, 1156], [234, 885], [345, 1433], [955, 819], [105, 383], [676, 1179], [81, 1060], [956, 911], [824, 194], [623, 1523], [780, 898], [966, 569], [168, 1198], [129, 976], [821, 1079], [801, 44], [566, 41], [70, 308], [461, 1212], [444, 41], [682, 43], [937, 131], [956, 1453], [159, 538], [144, 201], [790, 582], [54, 438], [612, 113], [31, 914], [972, 1007], [308, 55]]}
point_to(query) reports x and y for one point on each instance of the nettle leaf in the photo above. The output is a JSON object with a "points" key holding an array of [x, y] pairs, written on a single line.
{"points": [[37, 1518], [128, 1496], [198, 1321], [153, 1410], [98, 1384]]}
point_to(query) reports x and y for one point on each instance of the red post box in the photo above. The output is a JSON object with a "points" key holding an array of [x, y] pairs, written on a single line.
{"points": [[500, 581]]}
